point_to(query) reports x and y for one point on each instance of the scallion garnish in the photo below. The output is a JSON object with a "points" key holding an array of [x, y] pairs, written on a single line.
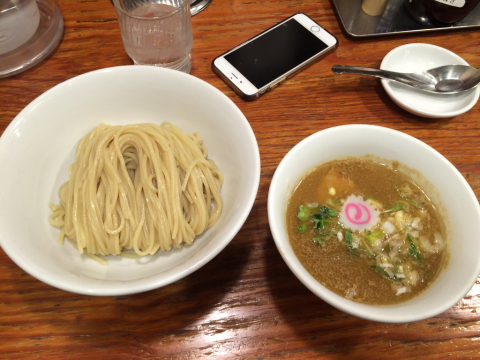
{"points": [[319, 239], [414, 203], [320, 219], [333, 202], [303, 214], [413, 249], [374, 235], [349, 242], [320, 222], [349, 238], [408, 200], [327, 212], [332, 212], [395, 208], [302, 228], [380, 270]]}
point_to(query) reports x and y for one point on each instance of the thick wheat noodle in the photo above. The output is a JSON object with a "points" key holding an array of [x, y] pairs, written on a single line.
{"points": [[140, 187]]}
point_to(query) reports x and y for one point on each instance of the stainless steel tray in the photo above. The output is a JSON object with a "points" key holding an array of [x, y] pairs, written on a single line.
{"points": [[394, 20]]}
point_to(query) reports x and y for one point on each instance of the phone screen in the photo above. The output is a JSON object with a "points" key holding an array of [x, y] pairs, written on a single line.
{"points": [[275, 53]]}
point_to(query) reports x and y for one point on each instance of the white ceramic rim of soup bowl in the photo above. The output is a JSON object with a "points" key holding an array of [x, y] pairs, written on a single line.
{"points": [[418, 57], [146, 84], [359, 140]]}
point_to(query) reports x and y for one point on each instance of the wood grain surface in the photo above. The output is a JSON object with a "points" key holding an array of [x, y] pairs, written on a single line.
{"points": [[245, 303]]}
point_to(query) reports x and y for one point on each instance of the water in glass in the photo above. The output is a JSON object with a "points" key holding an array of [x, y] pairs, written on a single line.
{"points": [[158, 34]]}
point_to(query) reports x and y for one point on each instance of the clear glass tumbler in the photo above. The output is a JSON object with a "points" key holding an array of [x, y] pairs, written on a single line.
{"points": [[157, 32], [29, 31]]}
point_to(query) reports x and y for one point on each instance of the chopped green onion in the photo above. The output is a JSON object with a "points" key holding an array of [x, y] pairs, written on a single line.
{"points": [[312, 205], [380, 270], [319, 239], [375, 235], [413, 249], [303, 213], [395, 208], [349, 238], [302, 228], [332, 212], [349, 241], [320, 221], [411, 202], [322, 237], [367, 249], [333, 202], [323, 212], [327, 212]]}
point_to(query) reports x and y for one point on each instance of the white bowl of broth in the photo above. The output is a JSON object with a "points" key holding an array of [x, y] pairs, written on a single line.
{"points": [[417, 259]]}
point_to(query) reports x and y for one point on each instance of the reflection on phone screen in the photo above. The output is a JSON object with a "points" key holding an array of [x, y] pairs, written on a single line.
{"points": [[276, 52]]}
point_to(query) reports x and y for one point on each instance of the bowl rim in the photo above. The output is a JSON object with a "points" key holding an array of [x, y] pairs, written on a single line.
{"points": [[281, 240], [154, 281]]}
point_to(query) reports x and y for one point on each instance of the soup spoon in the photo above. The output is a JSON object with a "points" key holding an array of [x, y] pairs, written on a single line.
{"points": [[448, 79]]}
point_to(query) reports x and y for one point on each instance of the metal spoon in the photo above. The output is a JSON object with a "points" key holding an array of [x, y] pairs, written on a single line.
{"points": [[448, 79]]}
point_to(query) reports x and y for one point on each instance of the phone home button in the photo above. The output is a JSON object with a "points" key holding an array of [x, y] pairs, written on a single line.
{"points": [[315, 28]]}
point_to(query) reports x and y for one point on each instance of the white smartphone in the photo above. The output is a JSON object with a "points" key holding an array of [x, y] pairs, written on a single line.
{"points": [[261, 63]]}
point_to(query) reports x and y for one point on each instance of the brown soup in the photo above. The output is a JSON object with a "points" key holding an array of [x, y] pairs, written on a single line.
{"points": [[366, 231]]}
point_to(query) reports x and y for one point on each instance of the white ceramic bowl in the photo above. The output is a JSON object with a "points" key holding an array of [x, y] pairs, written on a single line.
{"points": [[40, 143], [419, 57], [446, 185]]}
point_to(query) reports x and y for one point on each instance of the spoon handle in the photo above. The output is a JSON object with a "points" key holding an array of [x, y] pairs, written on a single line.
{"points": [[409, 79]]}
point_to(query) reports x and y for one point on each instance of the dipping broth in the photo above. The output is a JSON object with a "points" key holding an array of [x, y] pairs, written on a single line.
{"points": [[366, 231]]}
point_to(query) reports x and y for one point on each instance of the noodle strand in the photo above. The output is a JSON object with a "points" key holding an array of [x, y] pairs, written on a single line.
{"points": [[139, 187]]}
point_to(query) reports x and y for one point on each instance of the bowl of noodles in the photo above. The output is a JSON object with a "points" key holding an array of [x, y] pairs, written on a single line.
{"points": [[124, 180], [376, 223]]}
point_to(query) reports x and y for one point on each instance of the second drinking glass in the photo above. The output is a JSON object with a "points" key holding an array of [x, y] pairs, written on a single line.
{"points": [[157, 32]]}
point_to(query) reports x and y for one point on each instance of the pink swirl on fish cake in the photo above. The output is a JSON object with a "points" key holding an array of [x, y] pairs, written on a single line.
{"points": [[358, 214], [360, 210]]}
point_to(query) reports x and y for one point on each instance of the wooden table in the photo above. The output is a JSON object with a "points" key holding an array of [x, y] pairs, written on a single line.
{"points": [[245, 303]]}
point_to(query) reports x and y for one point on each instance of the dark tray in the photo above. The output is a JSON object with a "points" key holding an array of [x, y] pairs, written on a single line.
{"points": [[394, 20]]}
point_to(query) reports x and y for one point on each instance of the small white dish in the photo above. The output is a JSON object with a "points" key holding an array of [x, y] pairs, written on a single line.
{"points": [[39, 145], [418, 57]]}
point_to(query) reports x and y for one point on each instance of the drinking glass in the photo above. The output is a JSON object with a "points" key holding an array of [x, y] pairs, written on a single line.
{"points": [[29, 31], [18, 22], [157, 32]]}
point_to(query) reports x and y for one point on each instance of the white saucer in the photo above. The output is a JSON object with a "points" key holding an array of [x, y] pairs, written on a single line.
{"points": [[419, 57]]}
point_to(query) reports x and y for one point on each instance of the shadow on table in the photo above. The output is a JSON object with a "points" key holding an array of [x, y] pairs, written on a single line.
{"points": [[367, 91], [170, 321], [322, 328]]}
